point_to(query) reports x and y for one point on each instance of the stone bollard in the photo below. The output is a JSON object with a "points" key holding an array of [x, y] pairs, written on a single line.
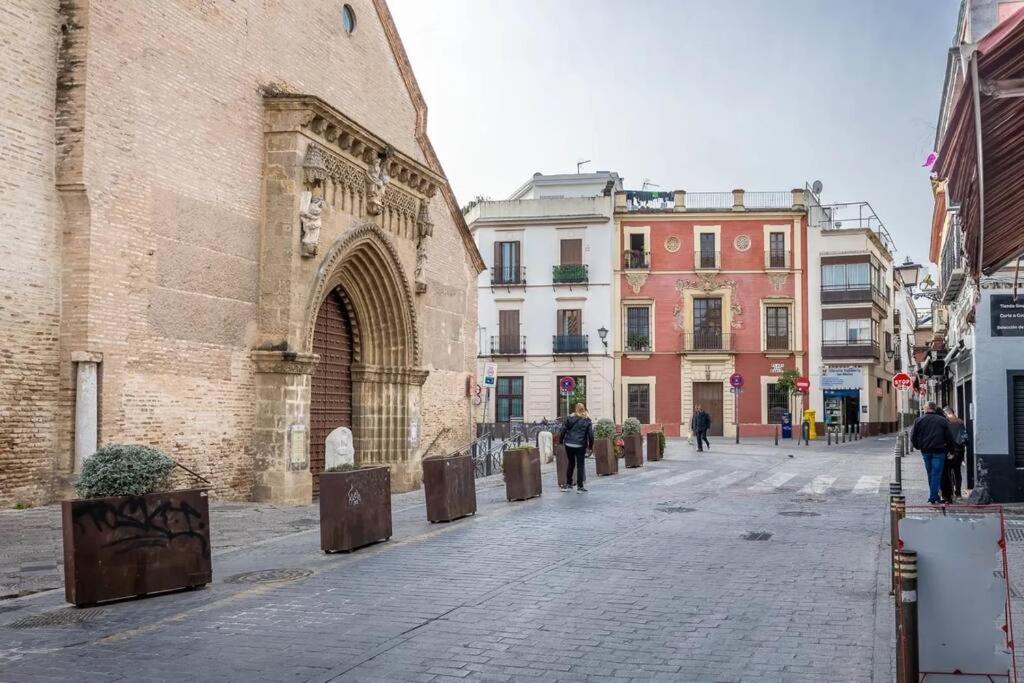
{"points": [[545, 444], [906, 624]]}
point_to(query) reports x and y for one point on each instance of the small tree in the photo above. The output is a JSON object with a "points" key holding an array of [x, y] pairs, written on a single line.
{"points": [[787, 381]]}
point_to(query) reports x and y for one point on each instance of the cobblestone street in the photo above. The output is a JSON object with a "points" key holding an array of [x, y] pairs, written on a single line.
{"points": [[749, 562]]}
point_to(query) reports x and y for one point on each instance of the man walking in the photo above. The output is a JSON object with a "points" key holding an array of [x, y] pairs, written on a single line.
{"points": [[701, 423], [932, 435]]}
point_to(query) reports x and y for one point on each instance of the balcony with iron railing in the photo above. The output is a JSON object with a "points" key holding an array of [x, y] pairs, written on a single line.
{"points": [[507, 276], [704, 259], [508, 345], [569, 274], [847, 216], [778, 343], [953, 270], [707, 341], [643, 201], [638, 343], [855, 294], [777, 260], [635, 259], [852, 349], [570, 343]]}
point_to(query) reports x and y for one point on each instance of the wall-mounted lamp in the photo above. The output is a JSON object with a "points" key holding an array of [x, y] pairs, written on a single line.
{"points": [[602, 332]]}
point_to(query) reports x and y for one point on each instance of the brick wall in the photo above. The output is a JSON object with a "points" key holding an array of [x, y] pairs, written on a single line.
{"points": [[29, 250]]}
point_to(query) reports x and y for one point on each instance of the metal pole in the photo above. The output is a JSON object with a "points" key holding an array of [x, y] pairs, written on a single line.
{"points": [[897, 509], [736, 414], [776, 435], [906, 629], [828, 434]]}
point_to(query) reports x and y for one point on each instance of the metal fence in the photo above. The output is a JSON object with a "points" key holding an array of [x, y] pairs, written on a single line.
{"points": [[768, 200], [494, 437]]}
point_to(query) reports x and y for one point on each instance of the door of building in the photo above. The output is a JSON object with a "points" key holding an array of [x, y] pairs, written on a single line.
{"points": [[709, 395], [331, 386]]}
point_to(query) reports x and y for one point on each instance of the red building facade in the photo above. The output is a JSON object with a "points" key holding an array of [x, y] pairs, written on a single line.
{"points": [[709, 285]]}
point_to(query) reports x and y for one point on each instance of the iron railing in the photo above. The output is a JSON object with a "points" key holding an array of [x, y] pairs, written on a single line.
{"points": [[717, 201], [776, 259], [768, 200], [508, 345], [569, 274], [778, 342], [846, 216], [704, 260], [635, 259], [638, 343], [570, 343], [493, 438], [507, 275], [707, 340], [867, 348], [846, 294]]}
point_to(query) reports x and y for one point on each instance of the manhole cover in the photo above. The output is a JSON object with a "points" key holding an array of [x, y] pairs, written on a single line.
{"points": [[60, 617], [675, 508], [799, 513], [1015, 534], [270, 576], [756, 536]]}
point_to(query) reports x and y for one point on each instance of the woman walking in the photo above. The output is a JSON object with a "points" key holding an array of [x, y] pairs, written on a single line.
{"points": [[577, 437], [955, 463]]}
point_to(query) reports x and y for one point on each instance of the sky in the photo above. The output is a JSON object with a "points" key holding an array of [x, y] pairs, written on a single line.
{"points": [[697, 96]]}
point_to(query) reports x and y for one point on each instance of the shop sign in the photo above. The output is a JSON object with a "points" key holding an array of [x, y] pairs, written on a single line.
{"points": [[1007, 316], [834, 378]]}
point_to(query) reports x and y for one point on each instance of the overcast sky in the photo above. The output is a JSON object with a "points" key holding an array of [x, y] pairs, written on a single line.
{"points": [[699, 96]]}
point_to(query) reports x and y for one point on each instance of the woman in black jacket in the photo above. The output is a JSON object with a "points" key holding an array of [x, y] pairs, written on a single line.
{"points": [[577, 437]]}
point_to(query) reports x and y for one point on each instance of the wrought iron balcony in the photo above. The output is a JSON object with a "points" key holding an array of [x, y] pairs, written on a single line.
{"points": [[777, 259], [707, 340], [638, 343], [570, 343], [707, 260], [505, 276], [778, 342], [867, 348], [846, 294], [954, 269], [635, 259], [508, 345], [569, 274]]}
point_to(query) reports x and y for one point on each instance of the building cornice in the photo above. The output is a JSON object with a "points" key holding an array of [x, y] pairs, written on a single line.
{"points": [[575, 220]]}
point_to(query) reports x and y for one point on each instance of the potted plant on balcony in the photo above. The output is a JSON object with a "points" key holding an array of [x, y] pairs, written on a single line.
{"points": [[633, 442], [355, 507], [127, 536], [449, 486], [521, 465], [604, 447], [569, 272], [637, 342]]}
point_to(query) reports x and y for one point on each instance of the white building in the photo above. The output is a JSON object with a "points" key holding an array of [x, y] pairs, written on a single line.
{"points": [[545, 300], [850, 336]]}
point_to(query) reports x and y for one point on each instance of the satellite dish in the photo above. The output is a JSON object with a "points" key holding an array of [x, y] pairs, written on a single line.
{"points": [[817, 187]]}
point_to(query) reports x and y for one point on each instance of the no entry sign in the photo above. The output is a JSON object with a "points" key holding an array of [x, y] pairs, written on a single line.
{"points": [[902, 380], [803, 385], [736, 380]]}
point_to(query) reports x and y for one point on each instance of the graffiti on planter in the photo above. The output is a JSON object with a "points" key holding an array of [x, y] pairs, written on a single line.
{"points": [[130, 525]]}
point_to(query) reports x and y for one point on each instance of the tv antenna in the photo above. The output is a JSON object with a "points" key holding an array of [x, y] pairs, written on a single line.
{"points": [[648, 183], [579, 164]]}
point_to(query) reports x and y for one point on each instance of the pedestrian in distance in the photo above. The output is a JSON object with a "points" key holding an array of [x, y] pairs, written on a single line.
{"points": [[700, 424], [955, 462], [578, 437], [933, 436]]}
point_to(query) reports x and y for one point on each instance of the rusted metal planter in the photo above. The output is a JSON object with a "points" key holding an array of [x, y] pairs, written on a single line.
{"points": [[653, 446], [449, 487], [522, 473], [561, 463], [604, 457], [355, 508], [633, 450], [131, 546]]}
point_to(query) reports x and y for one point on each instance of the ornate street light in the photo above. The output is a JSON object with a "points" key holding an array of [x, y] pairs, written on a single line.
{"points": [[602, 332]]}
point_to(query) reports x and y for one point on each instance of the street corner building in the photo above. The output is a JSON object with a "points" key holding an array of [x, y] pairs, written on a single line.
{"points": [[709, 285], [225, 234]]}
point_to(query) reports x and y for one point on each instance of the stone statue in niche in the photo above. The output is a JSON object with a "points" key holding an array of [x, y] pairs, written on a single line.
{"points": [[377, 180], [311, 215], [424, 229]]}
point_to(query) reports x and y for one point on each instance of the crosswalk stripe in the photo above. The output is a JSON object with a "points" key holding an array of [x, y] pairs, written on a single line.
{"points": [[680, 478], [773, 482], [867, 484], [821, 483], [726, 480]]}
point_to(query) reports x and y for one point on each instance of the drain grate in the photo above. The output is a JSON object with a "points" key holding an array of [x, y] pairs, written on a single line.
{"points": [[799, 513], [60, 617], [756, 536], [675, 508], [270, 576], [1015, 534]]}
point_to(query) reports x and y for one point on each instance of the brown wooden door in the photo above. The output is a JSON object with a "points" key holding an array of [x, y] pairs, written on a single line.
{"points": [[709, 395], [331, 388]]}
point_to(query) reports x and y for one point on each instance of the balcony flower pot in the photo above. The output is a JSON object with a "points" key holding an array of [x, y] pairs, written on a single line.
{"points": [[355, 508], [123, 538], [449, 487], [561, 463], [653, 446], [604, 457], [522, 473]]}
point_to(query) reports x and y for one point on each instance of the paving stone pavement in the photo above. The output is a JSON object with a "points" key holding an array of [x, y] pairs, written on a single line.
{"points": [[740, 564]]}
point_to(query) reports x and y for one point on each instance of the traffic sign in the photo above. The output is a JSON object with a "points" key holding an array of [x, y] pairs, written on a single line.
{"points": [[736, 379], [735, 390], [490, 374], [902, 380], [567, 385], [803, 385]]}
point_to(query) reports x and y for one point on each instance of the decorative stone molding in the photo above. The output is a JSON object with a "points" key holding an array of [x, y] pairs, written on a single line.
{"points": [[742, 242], [284, 362], [636, 280], [708, 282], [310, 217], [377, 374], [678, 322], [672, 244], [777, 280], [424, 230]]}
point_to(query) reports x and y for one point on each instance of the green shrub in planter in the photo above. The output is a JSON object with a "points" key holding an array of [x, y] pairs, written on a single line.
{"points": [[661, 441], [630, 426], [343, 467], [604, 429], [123, 470]]}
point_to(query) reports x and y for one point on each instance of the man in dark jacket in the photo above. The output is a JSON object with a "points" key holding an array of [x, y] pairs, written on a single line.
{"points": [[932, 435], [700, 424]]}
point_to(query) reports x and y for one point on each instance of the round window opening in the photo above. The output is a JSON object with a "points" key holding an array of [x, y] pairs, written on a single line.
{"points": [[348, 18]]}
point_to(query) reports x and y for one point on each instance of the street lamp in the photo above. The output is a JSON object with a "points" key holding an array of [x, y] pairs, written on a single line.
{"points": [[602, 332], [908, 273]]}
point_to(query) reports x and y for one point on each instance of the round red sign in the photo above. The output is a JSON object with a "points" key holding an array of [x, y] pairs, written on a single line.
{"points": [[736, 379], [902, 380], [567, 384], [803, 385]]}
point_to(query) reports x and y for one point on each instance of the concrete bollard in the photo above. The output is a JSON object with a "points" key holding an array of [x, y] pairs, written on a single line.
{"points": [[906, 625]]}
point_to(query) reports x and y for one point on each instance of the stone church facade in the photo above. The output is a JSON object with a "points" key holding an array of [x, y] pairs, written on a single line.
{"points": [[224, 233]]}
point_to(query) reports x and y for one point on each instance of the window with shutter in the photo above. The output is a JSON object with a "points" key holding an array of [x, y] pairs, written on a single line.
{"points": [[572, 252], [639, 402], [508, 332]]}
